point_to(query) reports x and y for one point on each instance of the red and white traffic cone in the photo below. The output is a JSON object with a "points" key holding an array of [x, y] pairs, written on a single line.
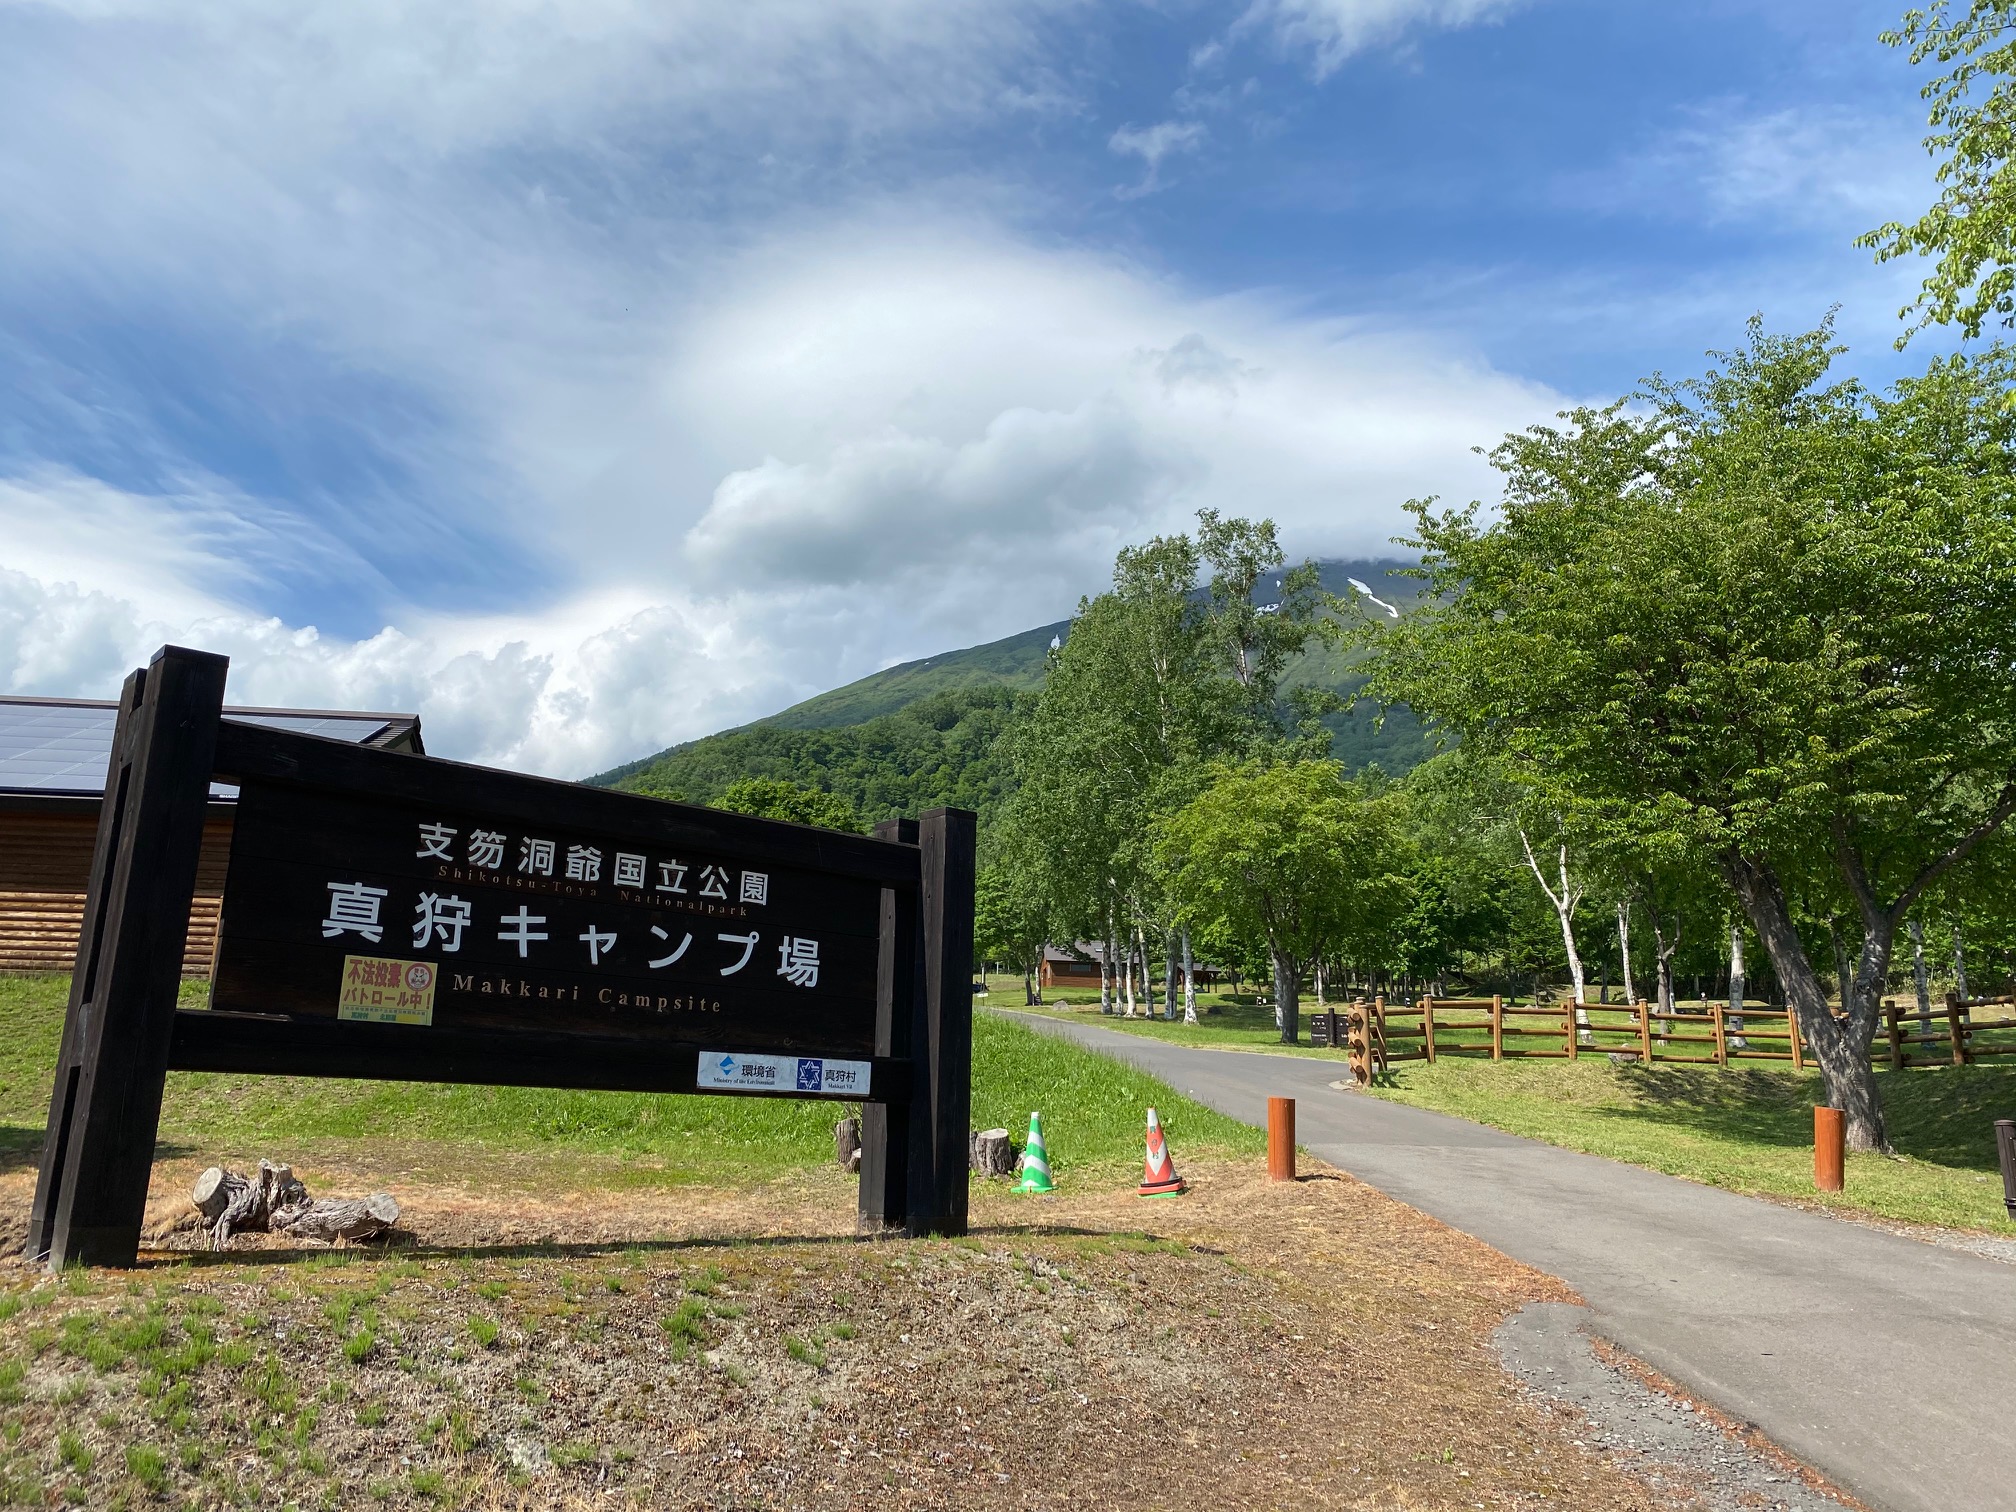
{"points": [[1159, 1178]]}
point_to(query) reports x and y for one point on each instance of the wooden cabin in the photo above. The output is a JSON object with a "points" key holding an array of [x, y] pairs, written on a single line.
{"points": [[53, 757], [1077, 966]]}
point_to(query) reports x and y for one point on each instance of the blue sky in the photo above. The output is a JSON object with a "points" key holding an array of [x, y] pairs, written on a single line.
{"points": [[593, 375]]}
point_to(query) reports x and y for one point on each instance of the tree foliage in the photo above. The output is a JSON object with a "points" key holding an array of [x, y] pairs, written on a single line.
{"points": [[1762, 622], [777, 798], [1292, 853], [943, 750], [1971, 228]]}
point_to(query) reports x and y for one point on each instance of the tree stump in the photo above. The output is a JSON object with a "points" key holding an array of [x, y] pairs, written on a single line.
{"points": [[992, 1153], [275, 1199], [847, 1144], [214, 1190]]}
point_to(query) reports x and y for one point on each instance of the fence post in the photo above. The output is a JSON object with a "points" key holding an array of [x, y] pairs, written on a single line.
{"points": [[1896, 1034], [1498, 1027], [1721, 1034], [1375, 1037], [1798, 1045], [1569, 1016], [1954, 1030], [1428, 1027], [1645, 1029]]}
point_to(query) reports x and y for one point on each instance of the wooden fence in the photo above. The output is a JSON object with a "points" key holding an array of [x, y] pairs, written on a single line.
{"points": [[1962, 1037], [1379, 1035]]}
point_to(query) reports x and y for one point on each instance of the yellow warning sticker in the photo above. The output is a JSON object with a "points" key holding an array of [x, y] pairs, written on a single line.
{"points": [[381, 991]]}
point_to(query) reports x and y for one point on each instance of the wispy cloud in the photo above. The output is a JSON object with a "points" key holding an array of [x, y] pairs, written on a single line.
{"points": [[1799, 166], [1331, 32], [1152, 144]]}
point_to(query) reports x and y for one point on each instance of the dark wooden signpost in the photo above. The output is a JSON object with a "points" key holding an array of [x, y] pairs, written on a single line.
{"points": [[400, 917]]}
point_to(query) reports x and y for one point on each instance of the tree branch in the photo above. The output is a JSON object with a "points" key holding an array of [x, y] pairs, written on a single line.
{"points": [[2004, 807]]}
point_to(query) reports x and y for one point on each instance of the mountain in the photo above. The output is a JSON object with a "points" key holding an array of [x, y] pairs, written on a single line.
{"points": [[923, 733], [1017, 662]]}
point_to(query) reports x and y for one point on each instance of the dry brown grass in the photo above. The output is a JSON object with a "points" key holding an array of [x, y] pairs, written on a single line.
{"points": [[1251, 1345]]}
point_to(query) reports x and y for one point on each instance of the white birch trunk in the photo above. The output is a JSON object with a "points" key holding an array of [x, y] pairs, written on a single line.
{"points": [[1959, 966], [1564, 903], [1147, 976], [1189, 981], [1919, 975], [1624, 950], [1107, 986], [1737, 988]]}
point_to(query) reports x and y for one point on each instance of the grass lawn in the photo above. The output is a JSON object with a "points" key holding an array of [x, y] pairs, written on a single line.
{"points": [[1223, 1021], [1750, 1130], [1093, 1111]]}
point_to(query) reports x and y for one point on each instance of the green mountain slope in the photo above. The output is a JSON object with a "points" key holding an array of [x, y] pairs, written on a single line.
{"points": [[1015, 663], [923, 733]]}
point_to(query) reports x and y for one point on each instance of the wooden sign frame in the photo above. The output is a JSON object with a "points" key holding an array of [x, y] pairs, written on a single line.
{"points": [[123, 1031]]}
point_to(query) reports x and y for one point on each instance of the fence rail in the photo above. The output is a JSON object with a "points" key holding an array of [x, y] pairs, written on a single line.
{"points": [[1378, 1034]]}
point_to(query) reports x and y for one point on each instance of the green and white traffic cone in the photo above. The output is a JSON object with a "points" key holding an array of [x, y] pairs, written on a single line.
{"points": [[1035, 1161]]}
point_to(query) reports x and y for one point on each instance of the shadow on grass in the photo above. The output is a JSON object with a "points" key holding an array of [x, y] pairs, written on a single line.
{"points": [[21, 1147], [1944, 1115], [405, 1247]]}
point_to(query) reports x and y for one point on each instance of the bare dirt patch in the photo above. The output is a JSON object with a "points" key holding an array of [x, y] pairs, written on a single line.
{"points": [[1304, 1345]]}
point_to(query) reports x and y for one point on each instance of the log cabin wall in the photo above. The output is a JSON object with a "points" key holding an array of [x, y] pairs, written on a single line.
{"points": [[45, 866]]}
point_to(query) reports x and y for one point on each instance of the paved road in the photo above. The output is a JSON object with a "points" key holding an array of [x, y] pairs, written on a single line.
{"points": [[1886, 1363]]}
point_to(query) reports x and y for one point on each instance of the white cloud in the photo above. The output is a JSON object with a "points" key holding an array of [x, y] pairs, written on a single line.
{"points": [[1334, 30], [914, 439], [1799, 167], [1152, 144], [603, 292]]}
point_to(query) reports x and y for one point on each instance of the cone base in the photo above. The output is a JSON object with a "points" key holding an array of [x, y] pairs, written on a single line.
{"points": [[1174, 1188]]}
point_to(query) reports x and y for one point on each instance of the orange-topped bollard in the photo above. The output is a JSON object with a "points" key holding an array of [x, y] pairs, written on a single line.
{"points": [[1280, 1139], [1830, 1144]]}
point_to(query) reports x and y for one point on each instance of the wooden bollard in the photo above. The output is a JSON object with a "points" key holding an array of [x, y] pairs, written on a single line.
{"points": [[1280, 1139], [1830, 1143]]}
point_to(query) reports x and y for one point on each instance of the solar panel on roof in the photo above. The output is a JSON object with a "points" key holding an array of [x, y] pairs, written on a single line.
{"points": [[65, 748]]}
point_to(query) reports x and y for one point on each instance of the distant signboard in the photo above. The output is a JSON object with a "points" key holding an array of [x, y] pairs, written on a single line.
{"points": [[392, 915]]}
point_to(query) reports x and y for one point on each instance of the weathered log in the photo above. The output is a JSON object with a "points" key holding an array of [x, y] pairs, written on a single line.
{"points": [[847, 1143], [992, 1152], [332, 1219]]}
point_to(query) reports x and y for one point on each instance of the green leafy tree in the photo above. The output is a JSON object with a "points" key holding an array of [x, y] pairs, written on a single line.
{"points": [[1292, 853], [1154, 682], [1971, 227], [1010, 924], [1763, 623], [777, 798]]}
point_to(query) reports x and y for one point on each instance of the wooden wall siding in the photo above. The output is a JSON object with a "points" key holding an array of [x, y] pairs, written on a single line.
{"points": [[45, 865], [38, 932]]}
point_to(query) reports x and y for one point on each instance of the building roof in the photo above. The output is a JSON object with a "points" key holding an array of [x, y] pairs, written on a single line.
{"points": [[1082, 952], [61, 747]]}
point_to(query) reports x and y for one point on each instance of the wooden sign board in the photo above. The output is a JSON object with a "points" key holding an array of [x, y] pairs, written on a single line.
{"points": [[395, 916]]}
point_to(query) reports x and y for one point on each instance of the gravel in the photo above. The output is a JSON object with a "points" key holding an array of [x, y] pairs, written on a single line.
{"points": [[1671, 1442]]}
